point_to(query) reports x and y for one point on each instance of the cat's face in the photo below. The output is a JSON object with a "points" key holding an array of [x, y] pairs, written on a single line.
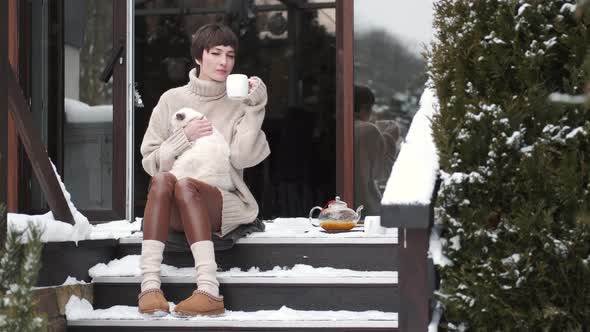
{"points": [[182, 117]]}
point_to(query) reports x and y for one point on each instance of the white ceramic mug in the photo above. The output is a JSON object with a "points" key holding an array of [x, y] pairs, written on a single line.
{"points": [[373, 225], [237, 86]]}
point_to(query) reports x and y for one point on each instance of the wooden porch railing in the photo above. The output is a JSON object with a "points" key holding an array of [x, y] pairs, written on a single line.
{"points": [[35, 148], [413, 214]]}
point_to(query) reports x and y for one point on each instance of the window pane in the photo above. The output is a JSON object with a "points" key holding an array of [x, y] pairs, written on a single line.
{"points": [[88, 103], [86, 108], [389, 76]]}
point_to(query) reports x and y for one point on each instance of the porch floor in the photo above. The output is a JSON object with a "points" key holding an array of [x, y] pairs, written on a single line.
{"points": [[301, 230]]}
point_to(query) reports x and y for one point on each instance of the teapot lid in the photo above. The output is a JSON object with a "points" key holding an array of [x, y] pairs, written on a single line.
{"points": [[337, 204]]}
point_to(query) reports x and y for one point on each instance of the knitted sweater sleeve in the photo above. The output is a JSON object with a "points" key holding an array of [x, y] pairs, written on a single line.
{"points": [[249, 145], [158, 148]]}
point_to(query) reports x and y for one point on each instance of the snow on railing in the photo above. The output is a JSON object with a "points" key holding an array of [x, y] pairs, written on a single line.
{"points": [[413, 176]]}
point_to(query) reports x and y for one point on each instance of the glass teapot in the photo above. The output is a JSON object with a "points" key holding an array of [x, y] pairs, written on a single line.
{"points": [[337, 216]]}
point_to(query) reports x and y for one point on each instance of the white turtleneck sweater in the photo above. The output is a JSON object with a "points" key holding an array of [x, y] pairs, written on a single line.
{"points": [[238, 121]]}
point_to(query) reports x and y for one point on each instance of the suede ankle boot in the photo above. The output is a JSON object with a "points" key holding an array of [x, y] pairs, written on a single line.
{"points": [[200, 303], [151, 300], [206, 299]]}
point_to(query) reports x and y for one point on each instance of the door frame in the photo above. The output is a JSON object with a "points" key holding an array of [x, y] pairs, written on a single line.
{"points": [[130, 113], [119, 175]]}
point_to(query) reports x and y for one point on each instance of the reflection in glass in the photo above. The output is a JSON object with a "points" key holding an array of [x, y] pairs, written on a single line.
{"points": [[292, 50], [389, 76], [88, 104]]}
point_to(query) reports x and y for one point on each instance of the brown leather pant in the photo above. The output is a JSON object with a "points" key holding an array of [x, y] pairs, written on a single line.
{"points": [[188, 206]]}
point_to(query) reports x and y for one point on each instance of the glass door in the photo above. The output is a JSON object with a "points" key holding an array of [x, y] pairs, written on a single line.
{"points": [[291, 45], [77, 87]]}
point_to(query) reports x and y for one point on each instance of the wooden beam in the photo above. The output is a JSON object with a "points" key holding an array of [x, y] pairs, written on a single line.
{"points": [[36, 151], [12, 193], [208, 10], [3, 110], [344, 102]]}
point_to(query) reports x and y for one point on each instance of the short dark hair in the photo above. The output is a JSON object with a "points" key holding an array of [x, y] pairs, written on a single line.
{"points": [[362, 96], [211, 35]]}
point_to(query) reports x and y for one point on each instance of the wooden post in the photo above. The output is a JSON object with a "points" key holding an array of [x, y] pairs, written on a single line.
{"points": [[415, 277], [36, 151], [3, 109], [414, 288], [344, 103]]}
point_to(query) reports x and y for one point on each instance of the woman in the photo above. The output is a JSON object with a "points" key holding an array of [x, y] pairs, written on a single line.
{"points": [[190, 205]]}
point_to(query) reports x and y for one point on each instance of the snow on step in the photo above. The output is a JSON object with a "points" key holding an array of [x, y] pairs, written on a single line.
{"points": [[80, 312], [301, 230], [127, 270]]}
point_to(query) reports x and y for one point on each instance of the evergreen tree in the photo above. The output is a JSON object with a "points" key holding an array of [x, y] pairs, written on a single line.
{"points": [[19, 268], [514, 200]]}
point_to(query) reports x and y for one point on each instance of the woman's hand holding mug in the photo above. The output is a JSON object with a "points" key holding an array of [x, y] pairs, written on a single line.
{"points": [[253, 83], [198, 128]]}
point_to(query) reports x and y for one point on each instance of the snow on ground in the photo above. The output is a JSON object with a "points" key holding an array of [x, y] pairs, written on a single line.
{"points": [[115, 229], [414, 173], [73, 281], [303, 228], [128, 266], [57, 231], [77, 309], [52, 230]]}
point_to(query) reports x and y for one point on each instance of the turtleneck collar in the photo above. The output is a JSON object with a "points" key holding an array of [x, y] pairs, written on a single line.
{"points": [[203, 88]]}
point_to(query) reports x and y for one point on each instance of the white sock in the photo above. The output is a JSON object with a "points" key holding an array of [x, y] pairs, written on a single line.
{"points": [[152, 253], [206, 267]]}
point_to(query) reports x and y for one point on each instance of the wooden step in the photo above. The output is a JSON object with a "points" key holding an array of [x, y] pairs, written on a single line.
{"points": [[284, 244], [82, 317], [107, 325], [355, 293]]}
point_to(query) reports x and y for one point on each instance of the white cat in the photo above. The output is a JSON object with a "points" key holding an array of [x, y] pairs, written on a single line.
{"points": [[207, 159]]}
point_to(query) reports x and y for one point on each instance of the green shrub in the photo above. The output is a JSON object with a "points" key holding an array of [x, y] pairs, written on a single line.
{"points": [[514, 200], [19, 268]]}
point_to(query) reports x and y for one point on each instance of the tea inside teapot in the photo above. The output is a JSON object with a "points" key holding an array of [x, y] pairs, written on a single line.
{"points": [[331, 225]]}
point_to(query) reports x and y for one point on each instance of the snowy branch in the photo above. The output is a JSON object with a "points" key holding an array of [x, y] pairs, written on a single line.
{"points": [[563, 98]]}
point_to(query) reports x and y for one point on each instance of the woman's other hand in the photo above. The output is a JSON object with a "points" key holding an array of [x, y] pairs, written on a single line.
{"points": [[198, 128], [253, 83]]}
